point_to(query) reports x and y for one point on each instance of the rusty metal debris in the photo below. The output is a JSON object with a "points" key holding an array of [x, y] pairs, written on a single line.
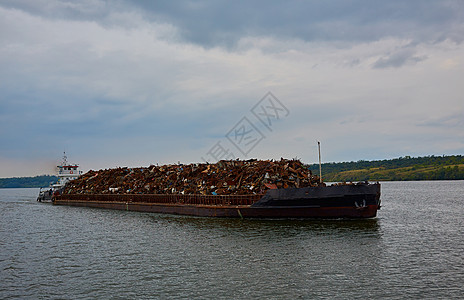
{"points": [[226, 177]]}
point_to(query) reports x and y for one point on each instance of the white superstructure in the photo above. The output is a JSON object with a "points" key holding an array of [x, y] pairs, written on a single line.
{"points": [[66, 172]]}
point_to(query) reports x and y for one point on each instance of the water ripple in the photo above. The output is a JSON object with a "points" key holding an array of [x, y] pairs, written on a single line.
{"points": [[412, 250]]}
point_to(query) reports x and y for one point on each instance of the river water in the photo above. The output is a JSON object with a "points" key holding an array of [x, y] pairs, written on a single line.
{"points": [[413, 249]]}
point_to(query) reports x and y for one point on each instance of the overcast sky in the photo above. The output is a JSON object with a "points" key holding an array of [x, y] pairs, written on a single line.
{"points": [[134, 83]]}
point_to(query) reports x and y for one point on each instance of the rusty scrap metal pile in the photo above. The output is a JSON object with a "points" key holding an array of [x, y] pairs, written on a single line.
{"points": [[231, 177]]}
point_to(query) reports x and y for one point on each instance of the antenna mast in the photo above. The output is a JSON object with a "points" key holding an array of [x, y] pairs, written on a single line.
{"points": [[65, 159]]}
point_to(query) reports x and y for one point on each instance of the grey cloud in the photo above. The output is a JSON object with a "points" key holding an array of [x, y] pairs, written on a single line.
{"points": [[213, 23], [449, 121], [398, 59], [63, 9], [222, 23]]}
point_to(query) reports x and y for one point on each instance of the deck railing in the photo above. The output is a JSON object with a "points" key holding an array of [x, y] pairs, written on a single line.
{"points": [[166, 198]]}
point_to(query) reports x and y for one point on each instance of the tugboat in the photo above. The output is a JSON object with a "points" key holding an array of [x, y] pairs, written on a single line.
{"points": [[66, 172]]}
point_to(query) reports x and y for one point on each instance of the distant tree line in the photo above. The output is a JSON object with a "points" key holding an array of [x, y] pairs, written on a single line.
{"points": [[402, 168], [27, 182]]}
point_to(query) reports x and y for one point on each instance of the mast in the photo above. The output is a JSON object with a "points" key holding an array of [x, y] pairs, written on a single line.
{"points": [[65, 159], [320, 165]]}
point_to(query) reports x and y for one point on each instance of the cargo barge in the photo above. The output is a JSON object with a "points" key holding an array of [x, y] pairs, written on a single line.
{"points": [[236, 189], [361, 200]]}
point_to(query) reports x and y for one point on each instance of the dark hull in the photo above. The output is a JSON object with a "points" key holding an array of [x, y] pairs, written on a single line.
{"points": [[348, 201]]}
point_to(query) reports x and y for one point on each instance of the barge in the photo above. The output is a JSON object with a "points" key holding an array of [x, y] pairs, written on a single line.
{"points": [[229, 188]]}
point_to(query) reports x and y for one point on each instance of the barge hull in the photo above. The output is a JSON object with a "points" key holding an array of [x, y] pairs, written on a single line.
{"points": [[356, 201]]}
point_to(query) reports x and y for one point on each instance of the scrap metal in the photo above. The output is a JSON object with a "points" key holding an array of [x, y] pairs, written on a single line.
{"points": [[226, 177]]}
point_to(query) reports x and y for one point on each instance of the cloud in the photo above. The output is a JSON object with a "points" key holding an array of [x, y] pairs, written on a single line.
{"points": [[212, 23], [132, 83], [452, 121], [398, 59], [223, 23], [62, 9]]}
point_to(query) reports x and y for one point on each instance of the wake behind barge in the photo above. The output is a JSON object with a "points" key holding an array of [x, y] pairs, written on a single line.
{"points": [[360, 200]]}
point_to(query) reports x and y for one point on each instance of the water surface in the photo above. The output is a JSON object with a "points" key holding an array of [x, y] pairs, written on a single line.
{"points": [[413, 249]]}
